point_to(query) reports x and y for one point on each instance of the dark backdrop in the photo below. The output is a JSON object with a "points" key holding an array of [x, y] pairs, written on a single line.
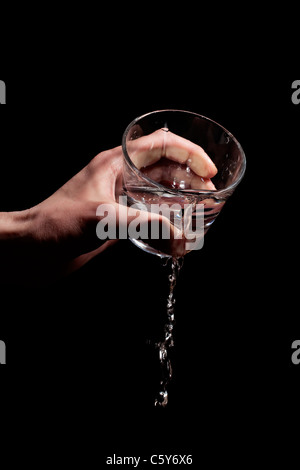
{"points": [[77, 358]]}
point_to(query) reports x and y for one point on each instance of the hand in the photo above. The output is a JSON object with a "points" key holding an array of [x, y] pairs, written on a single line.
{"points": [[59, 235], [161, 146]]}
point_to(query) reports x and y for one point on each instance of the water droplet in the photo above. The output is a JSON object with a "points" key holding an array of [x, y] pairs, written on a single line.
{"points": [[163, 354], [163, 346], [162, 399], [171, 316]]}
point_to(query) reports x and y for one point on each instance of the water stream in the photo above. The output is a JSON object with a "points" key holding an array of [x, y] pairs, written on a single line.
{"points": [[168, 341]]}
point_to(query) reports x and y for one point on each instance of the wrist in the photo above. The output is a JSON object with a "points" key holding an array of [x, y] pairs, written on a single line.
{"points": [[15, 225]]}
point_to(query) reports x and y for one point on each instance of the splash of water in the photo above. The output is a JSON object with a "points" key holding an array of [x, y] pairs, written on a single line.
{"points": [[168, 342]]}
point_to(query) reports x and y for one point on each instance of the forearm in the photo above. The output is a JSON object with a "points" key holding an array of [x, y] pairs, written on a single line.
{"points": [[42, 244], [15, 241], [14, 226], [29, 252]]}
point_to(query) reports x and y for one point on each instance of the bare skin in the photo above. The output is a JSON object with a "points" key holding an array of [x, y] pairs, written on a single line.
{"points": [[58, 236], [161, 146]]}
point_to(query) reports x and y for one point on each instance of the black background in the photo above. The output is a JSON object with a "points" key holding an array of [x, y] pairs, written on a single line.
{"points": [[80, 377]]}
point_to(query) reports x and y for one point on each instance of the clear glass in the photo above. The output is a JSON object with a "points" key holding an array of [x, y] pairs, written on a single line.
{"points": [[160, 167], [183, 160]]}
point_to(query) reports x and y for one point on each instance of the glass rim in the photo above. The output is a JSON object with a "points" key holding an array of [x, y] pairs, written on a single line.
{"points": [[214, 192]]}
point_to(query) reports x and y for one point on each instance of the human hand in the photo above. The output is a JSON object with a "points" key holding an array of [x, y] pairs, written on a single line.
{"points": [[153, 154], [58, 235]]}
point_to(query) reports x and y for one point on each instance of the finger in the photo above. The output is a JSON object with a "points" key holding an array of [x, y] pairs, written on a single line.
{"points": [[155, 230], [152, 228], [136, 216], [177, 178], [149, 149]]}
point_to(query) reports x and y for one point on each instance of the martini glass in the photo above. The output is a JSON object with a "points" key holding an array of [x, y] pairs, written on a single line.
{"points": [[191, 164]]}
